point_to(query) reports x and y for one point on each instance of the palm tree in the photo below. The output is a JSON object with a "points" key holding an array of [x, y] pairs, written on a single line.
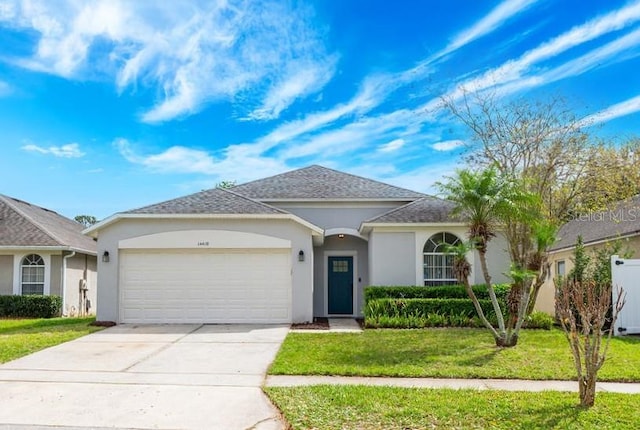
{"points": [[486, 201]]}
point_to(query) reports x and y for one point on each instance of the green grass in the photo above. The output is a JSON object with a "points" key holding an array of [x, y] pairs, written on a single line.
{"points": [[359, 407], [19, 337], [446, 353]]}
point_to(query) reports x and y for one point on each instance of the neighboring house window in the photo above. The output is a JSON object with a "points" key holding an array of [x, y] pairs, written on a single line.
{"points": [[438, 265], [560, 268], [32, 275]]}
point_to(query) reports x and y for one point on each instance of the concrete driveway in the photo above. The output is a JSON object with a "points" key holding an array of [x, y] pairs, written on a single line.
{"points": [[146, 377]]}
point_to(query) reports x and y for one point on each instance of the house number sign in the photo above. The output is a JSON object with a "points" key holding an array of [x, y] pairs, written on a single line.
{"points": [[203, 243]]}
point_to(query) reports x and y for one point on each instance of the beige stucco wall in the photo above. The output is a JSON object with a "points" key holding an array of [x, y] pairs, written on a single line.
{"points": [[299, 235], [56, 275], [79, 267], [546, 297], [6, 274]]}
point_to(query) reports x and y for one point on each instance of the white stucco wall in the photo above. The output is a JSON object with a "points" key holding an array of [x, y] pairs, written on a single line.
{"points": [[337, 214], [392, 257], [299, 236], [396, 255]]}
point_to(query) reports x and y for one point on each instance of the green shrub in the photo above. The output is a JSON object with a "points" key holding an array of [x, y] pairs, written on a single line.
{"points": [[442, 292], [30, 306], [419, 313], [539, 320]]}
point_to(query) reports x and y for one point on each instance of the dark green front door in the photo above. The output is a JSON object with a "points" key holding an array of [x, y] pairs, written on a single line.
{"points": [[340, 286]]}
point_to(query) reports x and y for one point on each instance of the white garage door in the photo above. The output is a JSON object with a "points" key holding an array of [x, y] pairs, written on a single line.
{"points": [[244, 286]]}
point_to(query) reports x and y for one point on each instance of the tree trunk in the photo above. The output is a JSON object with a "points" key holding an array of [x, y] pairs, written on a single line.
{"points": [[492, 293], [587, 390], [507, 341]]}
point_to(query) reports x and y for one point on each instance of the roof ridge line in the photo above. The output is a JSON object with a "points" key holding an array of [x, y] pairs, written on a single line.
{"points": [[39, 226], [369, 179]]}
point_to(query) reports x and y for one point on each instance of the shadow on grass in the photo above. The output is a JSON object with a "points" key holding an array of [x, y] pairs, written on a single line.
{"points": [[480, 359], [560, 416]]}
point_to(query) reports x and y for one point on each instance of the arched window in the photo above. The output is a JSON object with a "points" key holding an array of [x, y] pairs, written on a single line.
{"points": [[438, 266], [32, 275]]}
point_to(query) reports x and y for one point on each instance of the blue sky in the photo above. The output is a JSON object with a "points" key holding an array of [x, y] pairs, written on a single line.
{"points": [[110, 105]]}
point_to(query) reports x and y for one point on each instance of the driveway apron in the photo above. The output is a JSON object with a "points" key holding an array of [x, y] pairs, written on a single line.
{"points": [[146, 377]]}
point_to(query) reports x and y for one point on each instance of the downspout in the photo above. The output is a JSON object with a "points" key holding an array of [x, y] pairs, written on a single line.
{"points": [[64, 281]]}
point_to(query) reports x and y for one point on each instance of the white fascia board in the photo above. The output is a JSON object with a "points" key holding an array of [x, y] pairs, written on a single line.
{"points": [[46, 248], [93, 230], [366, 227]]}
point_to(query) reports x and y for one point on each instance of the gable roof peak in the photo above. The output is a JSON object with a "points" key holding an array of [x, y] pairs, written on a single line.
{"points": [[317, 182]]}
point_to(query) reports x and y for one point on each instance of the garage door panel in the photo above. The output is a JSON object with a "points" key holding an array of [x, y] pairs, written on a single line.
{"points": [[172, 287]]}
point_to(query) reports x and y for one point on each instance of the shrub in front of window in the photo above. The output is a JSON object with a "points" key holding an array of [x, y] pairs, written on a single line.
{"points": [[442, 292], [30, 306]]}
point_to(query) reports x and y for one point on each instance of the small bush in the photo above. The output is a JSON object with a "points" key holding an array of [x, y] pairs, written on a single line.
{"points": [[419, 313], [30, 306], [423, 292], [539, 320]]}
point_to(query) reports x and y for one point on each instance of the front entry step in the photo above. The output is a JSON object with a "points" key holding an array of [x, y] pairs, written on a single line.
{"points": [[345, 325]]}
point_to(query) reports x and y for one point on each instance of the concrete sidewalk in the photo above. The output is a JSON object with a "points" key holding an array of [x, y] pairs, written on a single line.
{"points": [[477, 384]]}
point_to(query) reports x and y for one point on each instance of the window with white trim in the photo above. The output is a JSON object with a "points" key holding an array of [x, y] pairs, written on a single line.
{"points": [[560, 268], [437, 264], [32, 275]]}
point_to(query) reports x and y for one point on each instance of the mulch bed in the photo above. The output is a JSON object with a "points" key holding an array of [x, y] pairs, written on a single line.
{"points": [[317, 324]]}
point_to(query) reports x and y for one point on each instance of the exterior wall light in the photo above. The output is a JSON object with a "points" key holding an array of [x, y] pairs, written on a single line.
{"points": [[105, 257], [301, 255], [341, 236]]}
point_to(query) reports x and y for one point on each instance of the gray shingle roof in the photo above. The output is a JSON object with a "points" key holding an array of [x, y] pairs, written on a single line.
{"points": [[622, 219], [426, 210], [214, 201], [317, 183], [24, 224]]}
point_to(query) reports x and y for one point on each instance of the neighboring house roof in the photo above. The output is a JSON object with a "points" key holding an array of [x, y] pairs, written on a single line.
{"points": [[321, 183], [214, 201], [25, 225], [623, 219], [426, 210]]}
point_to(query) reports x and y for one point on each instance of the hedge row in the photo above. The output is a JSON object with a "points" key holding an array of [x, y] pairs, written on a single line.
{"points": [[424, 307], [30, 306], [442, 292]]}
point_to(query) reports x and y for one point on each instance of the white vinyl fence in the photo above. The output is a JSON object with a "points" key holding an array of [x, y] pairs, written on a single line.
{"points": [[625, 273]]}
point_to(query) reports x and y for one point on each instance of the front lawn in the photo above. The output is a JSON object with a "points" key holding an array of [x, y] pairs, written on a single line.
{"points": [[19, 337], [446, 353], [360, 407]]}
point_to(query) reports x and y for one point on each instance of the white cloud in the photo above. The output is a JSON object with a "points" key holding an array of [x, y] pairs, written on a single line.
{"points": [[514, 70], [266, 54], [494, 19], [392, 146], [71, 150], [176, 159], [617, 110], [304, 80], [447, 145]]}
